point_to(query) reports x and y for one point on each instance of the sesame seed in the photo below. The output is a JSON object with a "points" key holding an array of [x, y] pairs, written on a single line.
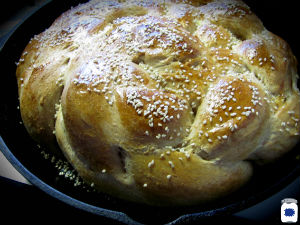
{"points": [[171, 164], [151, 164], [187, 155]]}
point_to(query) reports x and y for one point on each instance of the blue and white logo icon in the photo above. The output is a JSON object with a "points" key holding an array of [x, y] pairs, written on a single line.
{"points": [[289, 210]]}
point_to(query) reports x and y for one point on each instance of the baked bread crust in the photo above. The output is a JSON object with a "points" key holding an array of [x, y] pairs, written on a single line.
{"points": [[161, 102]]}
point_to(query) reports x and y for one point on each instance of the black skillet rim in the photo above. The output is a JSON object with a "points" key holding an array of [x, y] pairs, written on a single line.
{"points": [[122, 217]]}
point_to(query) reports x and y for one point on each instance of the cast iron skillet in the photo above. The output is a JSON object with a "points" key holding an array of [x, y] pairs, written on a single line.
{"points": [[24, 154]]}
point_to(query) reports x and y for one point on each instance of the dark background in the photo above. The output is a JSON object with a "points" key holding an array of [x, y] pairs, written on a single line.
{"points": [[24, 204]]}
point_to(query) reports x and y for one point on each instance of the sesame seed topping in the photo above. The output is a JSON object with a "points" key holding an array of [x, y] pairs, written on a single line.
{"points": [[171, 164], [187, 155], [151, 164]]}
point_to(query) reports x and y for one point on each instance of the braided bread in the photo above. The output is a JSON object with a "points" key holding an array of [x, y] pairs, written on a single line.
{"points": [[161, 102]]}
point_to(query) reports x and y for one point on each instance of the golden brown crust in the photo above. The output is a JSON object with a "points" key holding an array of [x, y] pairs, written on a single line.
{"points": [[161, 102]]}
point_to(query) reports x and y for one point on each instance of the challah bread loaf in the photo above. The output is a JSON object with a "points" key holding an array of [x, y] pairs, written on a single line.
{"points": [[161, 102]]}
